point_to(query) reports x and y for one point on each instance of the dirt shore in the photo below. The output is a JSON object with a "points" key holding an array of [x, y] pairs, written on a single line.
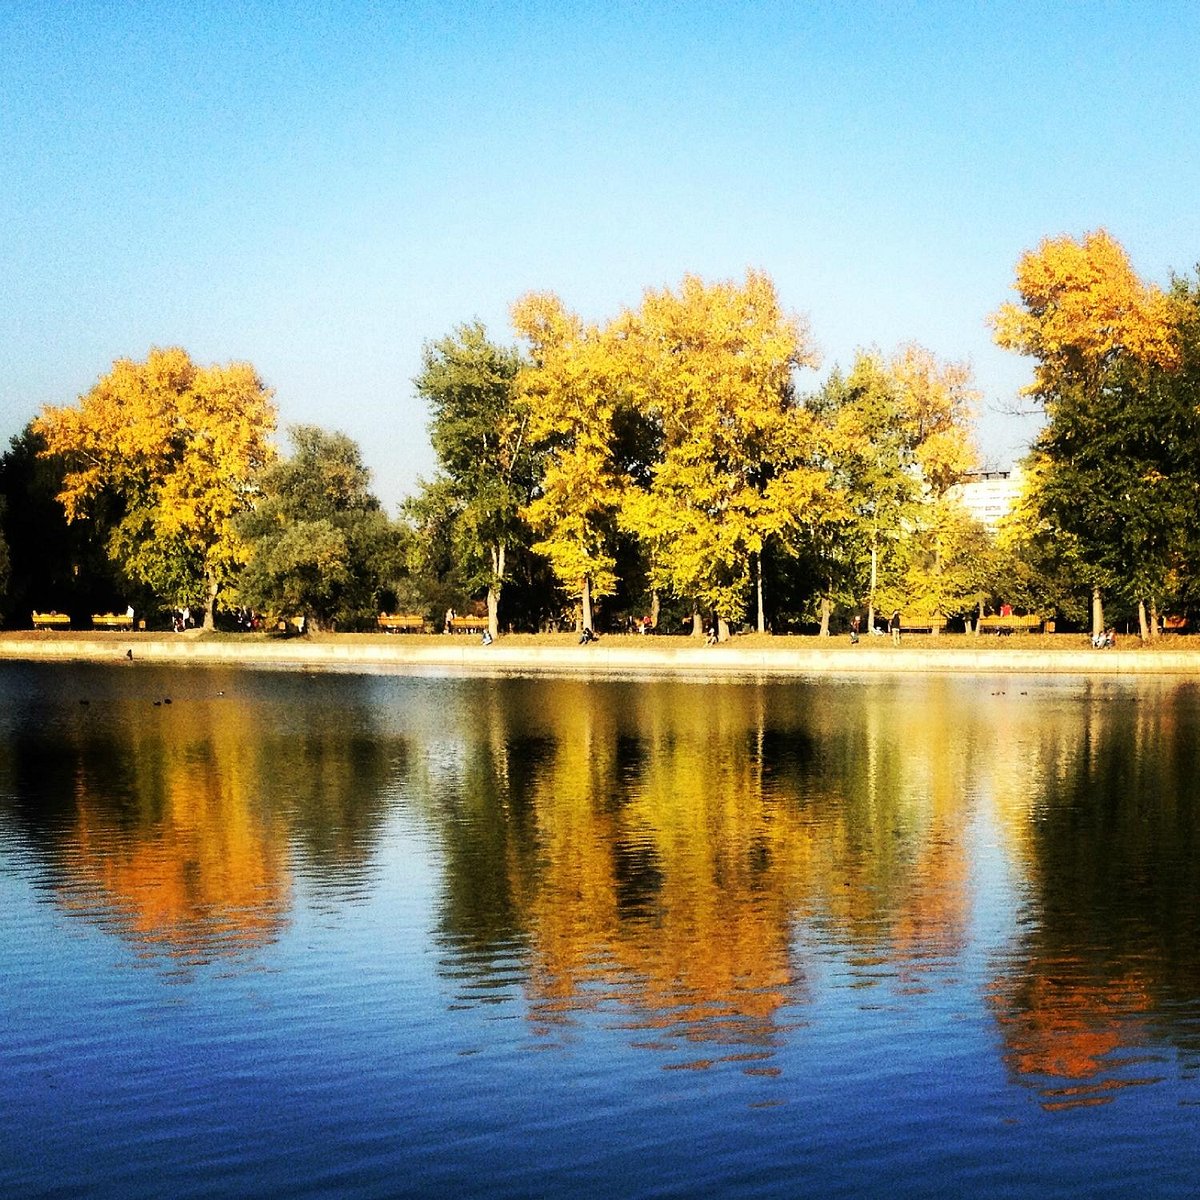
{"points": [[753, 655]]}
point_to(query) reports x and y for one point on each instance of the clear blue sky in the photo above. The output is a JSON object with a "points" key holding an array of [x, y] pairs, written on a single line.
{"points": [[320, 188]]}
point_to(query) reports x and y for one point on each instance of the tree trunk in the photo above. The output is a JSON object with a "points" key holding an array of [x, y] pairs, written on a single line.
{"points": [[722, 630], [762, 616], [493, 607], [1143, 632], [826, 609], [979, 620], [697, 624], [1097, 613], [1154, 621], [210, 604], [871, 591], [587, 603], [655, 603], [493, 596]]}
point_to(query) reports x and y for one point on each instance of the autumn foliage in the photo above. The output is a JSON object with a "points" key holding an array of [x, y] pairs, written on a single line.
{"points": [[172, 448], [671, 454], [1081, 307]]}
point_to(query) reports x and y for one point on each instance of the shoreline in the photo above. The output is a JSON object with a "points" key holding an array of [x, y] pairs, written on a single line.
{"points": [[613, 656]]}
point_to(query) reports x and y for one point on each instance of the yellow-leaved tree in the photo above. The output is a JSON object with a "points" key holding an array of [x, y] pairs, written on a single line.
{"points": [[572, 388], [1082, 307], [170, 448], [715, 364]]}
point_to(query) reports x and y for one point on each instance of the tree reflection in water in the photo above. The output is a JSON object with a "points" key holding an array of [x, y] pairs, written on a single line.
{"points": [[657, 846], [180, 823], [1103, 824], [699, 864]]}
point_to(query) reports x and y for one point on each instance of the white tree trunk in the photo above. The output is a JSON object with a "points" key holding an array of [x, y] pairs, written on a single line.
{"points": [[762, 615], [587, 603], [871, 591], [493, 596], [210, 604], [1097, 613]]}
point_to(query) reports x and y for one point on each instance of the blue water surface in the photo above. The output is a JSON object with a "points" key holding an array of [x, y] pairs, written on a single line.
{"points": [[374, 936]]}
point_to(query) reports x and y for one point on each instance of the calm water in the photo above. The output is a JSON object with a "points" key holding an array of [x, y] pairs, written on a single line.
{"points": [[377, 936]]}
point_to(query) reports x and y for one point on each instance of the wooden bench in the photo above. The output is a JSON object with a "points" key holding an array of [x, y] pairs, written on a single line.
{"points": [[1011, 624], [468, 624], [921, 624], [111, 621], [51, 620], [401, 623]]}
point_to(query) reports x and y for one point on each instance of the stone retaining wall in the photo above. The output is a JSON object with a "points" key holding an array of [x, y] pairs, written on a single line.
{"points": [[459, 656]]}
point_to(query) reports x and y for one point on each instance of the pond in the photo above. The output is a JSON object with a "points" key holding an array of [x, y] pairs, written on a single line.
{"points": [[276, 933]]}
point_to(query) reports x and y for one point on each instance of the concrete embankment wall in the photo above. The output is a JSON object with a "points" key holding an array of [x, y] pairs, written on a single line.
{"points": [[457, 656]]}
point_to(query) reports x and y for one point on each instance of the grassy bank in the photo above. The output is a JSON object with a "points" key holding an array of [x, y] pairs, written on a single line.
{"points": [[651, 644], [630, 655]]}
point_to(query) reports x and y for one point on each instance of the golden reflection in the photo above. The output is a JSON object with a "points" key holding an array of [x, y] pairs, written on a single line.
{"points": [[697, 859], [685, 852], [662, 851], [896, 815], [704, 949], [195, 870], [188, 820]]}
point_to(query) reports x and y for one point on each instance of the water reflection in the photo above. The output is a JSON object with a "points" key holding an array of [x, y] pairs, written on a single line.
{"points": [[180, 822], [657, 848], [1105, 968], [702, 867], [691, 854]]}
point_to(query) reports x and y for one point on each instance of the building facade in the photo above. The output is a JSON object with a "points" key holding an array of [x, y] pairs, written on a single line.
{"points": [[989, 496]]}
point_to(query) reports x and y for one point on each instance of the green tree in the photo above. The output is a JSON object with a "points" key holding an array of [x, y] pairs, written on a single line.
{"points": [[169, 449], [900, 434], [433, 579], [950, 562], [54, 565], [5, 569], [1184, 385], [1039, 568], [480, 433], [1119, 478], [319, 544]]}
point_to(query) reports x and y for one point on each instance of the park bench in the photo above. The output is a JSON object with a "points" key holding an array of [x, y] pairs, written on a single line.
{"points": [[468, 624], [51, 620], [111, 621], [401, 623], [1011, 624], [920, 623]]}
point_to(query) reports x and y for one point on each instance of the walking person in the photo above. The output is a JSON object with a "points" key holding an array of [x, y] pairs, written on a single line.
{"points": [[894, 626]]}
